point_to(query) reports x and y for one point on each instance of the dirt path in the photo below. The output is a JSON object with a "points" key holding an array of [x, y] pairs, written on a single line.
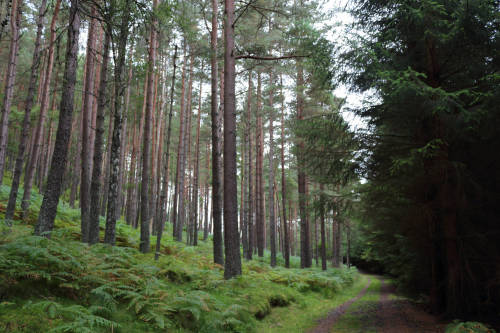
{"points": [[400, 316], [326, 323], [377, 309]]}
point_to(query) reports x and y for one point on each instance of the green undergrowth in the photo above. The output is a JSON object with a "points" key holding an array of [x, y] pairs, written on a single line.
{"points": [[62, 285], [468, 327], [303, 315]]}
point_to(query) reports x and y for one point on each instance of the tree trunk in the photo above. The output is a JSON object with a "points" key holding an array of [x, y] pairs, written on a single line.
{"points": [[181, 162], [206, 226], [323, 234], [37, 142], [261, 238], [109, 139], [75, 129], [195, 200], [95, 187], [18, 169], [316, 248], [164, 193], [232, 265], [286, 236], [249, 196], [216, 152], [336, 243], [159, 158], [348, 252], [146, 148], [48, 209], [305, 247], [114, 161], [124, 149], [180, 148], [122, 179], [132, 190], [86, 128], [156, 125], [95, 92], [243, 201], [272, 217], [186, 164], [10, 81]]}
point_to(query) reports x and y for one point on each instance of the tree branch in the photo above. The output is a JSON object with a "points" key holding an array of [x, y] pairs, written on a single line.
{"points": [[248, 56]]}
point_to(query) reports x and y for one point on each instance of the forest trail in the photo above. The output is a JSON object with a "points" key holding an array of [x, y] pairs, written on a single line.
{"points": [[378, 309]]}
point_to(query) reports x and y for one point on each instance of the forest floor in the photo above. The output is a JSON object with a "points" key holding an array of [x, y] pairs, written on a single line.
{"points": [[377, 308], [62, 285]]}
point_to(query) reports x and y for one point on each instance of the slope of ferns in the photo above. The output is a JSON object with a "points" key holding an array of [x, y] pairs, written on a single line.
{"points": [[62, 285]]}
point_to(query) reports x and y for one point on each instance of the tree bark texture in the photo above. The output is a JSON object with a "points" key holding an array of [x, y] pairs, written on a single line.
{"points": [[195, 199], [305, 247], [232, 266], [180, 148], [86, 129], [114, 160], [260, 181], [286, 236], [216, 152], [164, 193], [272, 217], [10, 81], [249, 171], [95, 187], [146, 147], [23, 142], [48, 209], [37, 140]]}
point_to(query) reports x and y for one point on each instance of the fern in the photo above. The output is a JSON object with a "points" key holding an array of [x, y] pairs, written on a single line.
{"points": [[76, 318]]}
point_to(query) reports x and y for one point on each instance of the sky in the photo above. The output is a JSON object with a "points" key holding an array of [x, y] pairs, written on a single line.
{"points": [[339, 35]]}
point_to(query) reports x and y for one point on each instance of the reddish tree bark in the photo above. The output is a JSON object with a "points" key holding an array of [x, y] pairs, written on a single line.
{"points": [[28, 105], [186, 165], [206, 224], [164, 193], [216, 151], [194, 200], [180, 147], [10, 80], [95, 188], [232, 265], [249, 188], [86, 128], [272, 217], [37, 141], [305, 247]]}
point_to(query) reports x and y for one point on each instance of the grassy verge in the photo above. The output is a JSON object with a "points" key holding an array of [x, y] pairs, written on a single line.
{"points": [[299, 317]]}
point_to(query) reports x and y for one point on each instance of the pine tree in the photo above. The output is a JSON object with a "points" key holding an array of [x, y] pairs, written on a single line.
{"points": [[52, 193]]}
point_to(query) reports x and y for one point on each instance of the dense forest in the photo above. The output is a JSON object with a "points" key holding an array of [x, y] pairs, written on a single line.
{"points": [[249, 166]]}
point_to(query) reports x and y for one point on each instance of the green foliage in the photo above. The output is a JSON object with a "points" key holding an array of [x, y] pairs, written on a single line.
{"points": [[469, 327], [62, 285], [430, 201], [76, 318]]}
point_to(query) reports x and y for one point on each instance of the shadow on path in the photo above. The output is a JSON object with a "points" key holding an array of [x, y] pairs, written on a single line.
{"points": [[377, 309]]}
